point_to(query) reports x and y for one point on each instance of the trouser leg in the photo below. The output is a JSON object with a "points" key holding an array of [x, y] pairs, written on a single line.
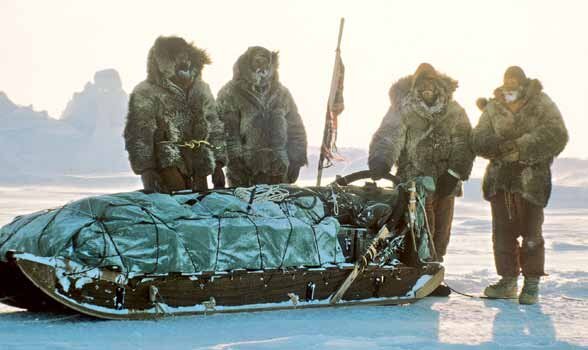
{"points": [[174, 180], [199, 183], [218, 177], [532, 257], [238, 178], [430, 211], [504, 235], [274, 180], [443, 208]]}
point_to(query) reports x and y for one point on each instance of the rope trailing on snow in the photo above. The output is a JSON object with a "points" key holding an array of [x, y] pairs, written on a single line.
{"points": [[461, 293], [261, 193], [580, 300], [564, 297]]}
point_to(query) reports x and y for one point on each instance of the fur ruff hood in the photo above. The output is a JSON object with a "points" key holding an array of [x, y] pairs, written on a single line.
{"points": [[242, 68], [532, 89], [162, 55], [405, 86]]}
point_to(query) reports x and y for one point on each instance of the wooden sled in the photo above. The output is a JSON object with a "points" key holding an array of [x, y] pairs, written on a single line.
{"points": [[58, 284], [53, 284]]}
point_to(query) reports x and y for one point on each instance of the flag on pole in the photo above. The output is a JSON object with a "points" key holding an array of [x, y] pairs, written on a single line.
{"points": [[335, 107]]}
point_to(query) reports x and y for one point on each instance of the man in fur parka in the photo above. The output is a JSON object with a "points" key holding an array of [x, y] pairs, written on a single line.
{"points": [[426, 133], [520, 131], [172, 134], [265, 136]]}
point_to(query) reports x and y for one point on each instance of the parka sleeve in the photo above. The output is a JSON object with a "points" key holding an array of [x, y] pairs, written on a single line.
{"points": [[297, 143], [229, 115], [216, 130], [547, 140], [485, 142], [388, 141], [139, 133], [461, 159]]}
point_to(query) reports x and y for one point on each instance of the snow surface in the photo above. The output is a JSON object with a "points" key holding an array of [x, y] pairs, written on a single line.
{"points": [[560, 321]]}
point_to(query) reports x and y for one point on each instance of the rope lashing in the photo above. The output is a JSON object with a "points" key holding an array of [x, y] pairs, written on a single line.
{"points": [[262, 193], [191, 144]]}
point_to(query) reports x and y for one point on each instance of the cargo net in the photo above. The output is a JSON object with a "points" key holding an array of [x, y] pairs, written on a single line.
{"points": [[263, 227]]}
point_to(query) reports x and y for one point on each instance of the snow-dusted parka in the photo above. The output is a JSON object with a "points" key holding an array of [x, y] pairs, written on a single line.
{"points": [[423, 140], [537, 134], [172, 107], [265, 135]]}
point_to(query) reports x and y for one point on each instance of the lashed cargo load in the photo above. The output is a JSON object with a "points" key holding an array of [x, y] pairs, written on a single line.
{"points": [[158, 233]]}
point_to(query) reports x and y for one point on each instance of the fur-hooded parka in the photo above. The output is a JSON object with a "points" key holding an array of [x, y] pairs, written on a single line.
{"points": [[162, 115], [538, 133], [423, 140], [264, 132]]}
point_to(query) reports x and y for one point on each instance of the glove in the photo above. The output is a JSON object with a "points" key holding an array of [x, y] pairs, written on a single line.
{"points": [[279, 167], [378, 172], [509, 151], [446, 185], [378, 168], [512, 157], [507, 147], [218, 176], [152, 181], [293, 173]]}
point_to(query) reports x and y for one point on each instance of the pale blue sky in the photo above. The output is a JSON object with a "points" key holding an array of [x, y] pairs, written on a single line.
{"points": [[51, 48]]}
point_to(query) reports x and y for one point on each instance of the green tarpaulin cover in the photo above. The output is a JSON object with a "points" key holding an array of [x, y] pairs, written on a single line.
{"points": [[187, 233]]}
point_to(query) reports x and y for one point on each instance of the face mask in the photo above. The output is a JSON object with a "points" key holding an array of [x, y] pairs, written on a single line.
{"points": [[511, 96], [261, 76], [183, 73]]}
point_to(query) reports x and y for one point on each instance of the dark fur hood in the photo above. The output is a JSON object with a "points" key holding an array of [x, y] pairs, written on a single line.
{"points": [[242, 68], [161, 60], [404, 86], [532, 89]]}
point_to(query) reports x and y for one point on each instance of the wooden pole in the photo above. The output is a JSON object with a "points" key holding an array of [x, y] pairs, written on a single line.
{"points": [[332, 94], [361, 264]]}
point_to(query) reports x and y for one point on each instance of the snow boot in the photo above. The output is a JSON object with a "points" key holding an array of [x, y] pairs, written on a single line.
{"points": [[506, 288], [530, 293]]}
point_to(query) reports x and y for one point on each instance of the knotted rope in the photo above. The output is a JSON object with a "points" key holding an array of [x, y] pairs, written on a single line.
{"points": [[262, 193]]}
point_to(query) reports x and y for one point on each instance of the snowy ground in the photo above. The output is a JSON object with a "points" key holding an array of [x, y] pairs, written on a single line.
{"points": [[560, 321]]}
